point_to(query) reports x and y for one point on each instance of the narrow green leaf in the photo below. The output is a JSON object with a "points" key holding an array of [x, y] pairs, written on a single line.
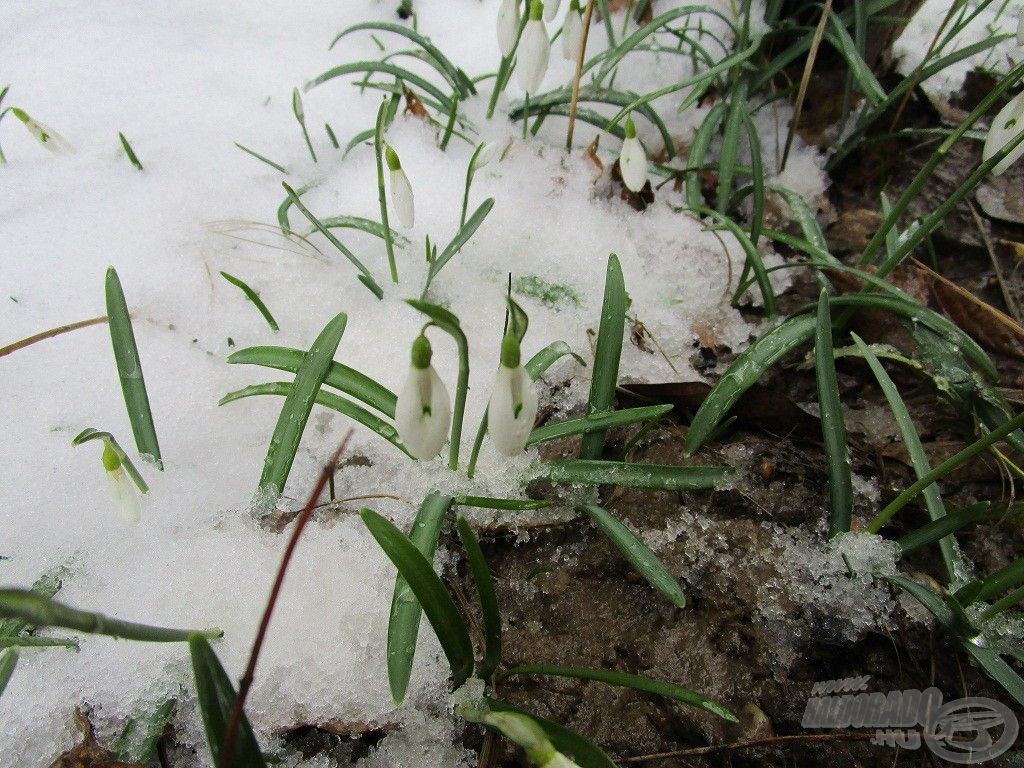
{"points": [[8, 661], [361, 223], [129, 369], [39, 611], [583, 752], [997, 669], [626, 680], [843, 43], [358, 67], [461, 238], [46, 586], [937, 529], [596, 422], [364, 274], [753, 257], [132, 157], [606, 357], [730, 145], [404, 622], [262, 159], [31, 641], [698, 152], [994, 584], [552, 353], [137, 742], [440, 609], [744, 372], [284, 443], [935, 605], [328, 400], [643, 560], [833, 427], [339, 376], [659, 477], [912, 441], [488, 600], [254, 298], [488, 502], [216, 698], [289, 200]]}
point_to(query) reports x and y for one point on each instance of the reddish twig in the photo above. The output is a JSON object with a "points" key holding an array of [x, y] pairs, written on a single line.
{"points": [[767, 741], [50, 334], [231, 735]]}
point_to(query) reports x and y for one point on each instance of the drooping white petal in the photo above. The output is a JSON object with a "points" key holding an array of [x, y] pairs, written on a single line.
{"points": [[534, 50], [633, 164], [511, 410], [401, 198], [423, 413], [571, 31], [124, 494], [486, 154], [508, 25], [551, 9], [1006, 126]]}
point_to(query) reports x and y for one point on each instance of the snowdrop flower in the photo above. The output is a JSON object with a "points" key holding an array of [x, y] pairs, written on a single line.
{"points": [[1008, 125], [48, 137], [486, 154], [551, 9], [122, 489], [423, 412], [401, 190], [632, 160], [508, 26], [571, 32], [534, 50], [513, 406], [525, 732]]}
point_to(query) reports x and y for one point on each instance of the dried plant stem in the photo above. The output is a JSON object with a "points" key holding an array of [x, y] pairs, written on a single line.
{"points": [[14, 347], [768, 741], [812, 56], [580, 56], [231, 735]]}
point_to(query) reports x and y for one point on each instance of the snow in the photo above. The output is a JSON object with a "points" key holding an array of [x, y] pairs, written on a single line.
{"points": [[183, 82], [979, 23]]}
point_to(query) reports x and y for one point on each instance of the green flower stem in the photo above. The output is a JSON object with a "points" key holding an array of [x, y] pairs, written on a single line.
{"points": [[505, 68], [378, 149], [41, 612]]}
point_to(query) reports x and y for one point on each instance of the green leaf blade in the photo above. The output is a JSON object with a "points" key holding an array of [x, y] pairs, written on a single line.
{"points": [[606, 357]]}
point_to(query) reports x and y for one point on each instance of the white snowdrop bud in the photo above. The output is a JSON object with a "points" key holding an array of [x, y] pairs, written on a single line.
{"points": [[534, 50], [486, 154], [48, 137], [423, 411], [633, 160], [524, 731], [508, 25], [572, 30], [513, 405], [1008, 124], [551, 9], [401, 190], [123, 491]]}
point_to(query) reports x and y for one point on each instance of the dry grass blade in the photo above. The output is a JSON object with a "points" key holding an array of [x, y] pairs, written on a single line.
{"points": [[580, 56], [812, 56]]}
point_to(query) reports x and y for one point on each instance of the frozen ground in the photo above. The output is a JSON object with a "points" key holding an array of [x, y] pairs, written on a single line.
{"points": [[183, 81]]}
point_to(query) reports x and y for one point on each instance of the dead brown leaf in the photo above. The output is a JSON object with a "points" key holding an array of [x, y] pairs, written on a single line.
{"points": [[88, 753], [853, 229], [590, 154], [414, 105]]}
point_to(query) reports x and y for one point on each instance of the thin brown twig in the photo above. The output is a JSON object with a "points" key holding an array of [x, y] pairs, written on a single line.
{"points": [[580, 55], [15, 346], [767, 741], [812, 56], [1008, 300], [231, 735]]}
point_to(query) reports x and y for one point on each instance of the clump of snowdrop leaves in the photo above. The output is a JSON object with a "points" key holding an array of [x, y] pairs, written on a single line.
{"points": [[572, 31], [508, 26], [423, 412], [1006, 127], [633, 160], [401, 190], [512, 409], [534, 50], [46, 136]]}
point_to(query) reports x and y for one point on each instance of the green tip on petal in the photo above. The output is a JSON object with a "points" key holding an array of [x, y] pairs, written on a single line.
{"points": [[536, 10], [392, 158], [510, 354], [421, 353], [630, 128], [111, 461]]}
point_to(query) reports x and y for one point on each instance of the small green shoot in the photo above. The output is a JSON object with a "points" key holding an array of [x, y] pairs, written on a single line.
{"points": [[606, 358], [130, 153], [254, 297]]}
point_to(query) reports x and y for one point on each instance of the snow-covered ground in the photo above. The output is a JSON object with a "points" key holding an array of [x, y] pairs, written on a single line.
{"points": [[183, 81]]}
